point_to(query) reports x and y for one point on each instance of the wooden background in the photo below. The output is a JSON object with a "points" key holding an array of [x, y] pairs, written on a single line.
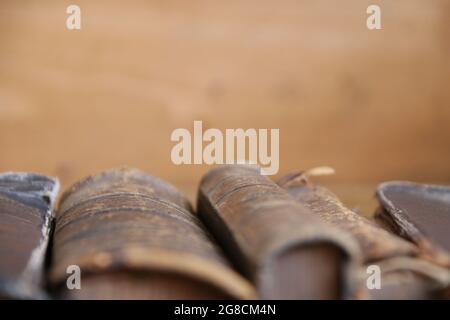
{"points": [[375, 105]]}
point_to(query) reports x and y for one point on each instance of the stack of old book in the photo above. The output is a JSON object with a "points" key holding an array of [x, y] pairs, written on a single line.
{"points": [[124, 234]]}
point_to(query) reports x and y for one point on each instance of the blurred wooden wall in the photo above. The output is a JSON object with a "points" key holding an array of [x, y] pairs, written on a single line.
{"points": [[373, 104]]}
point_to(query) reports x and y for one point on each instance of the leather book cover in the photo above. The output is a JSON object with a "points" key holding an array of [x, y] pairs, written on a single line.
{"points": [[404, 272], [26, 213], [277, 243], [134, 236], [419, 213]]}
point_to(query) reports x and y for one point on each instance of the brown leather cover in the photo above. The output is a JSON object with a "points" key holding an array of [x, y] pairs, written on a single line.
{"points": [[26, 202], [375, 242], [404, 274], [135, 237], [420, 213], [280, 245]]}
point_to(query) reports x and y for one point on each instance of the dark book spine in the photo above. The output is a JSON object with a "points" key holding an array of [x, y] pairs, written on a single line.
{"points": [[276, 242], [26, 213], [419, 213]]}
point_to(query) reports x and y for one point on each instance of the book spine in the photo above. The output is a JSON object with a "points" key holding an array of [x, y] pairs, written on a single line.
{"points": [[375, 242], [418, 213], [134, 236], [403, 274], [26, 216], [274, 241]]}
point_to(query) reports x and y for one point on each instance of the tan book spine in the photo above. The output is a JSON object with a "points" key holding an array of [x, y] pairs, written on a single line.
{"points": [[134, 236]]}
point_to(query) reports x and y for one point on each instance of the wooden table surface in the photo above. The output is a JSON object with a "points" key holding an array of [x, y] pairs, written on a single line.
{"points": [[375, 105]]}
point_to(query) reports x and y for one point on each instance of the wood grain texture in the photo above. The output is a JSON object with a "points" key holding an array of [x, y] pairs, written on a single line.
{"points": [[374, 105]]}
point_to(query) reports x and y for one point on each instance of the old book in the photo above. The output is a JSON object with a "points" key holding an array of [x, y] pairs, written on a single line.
{"points": [[404, 275], [26, 211], [420, 213], [275, 242], [134, 236]]}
